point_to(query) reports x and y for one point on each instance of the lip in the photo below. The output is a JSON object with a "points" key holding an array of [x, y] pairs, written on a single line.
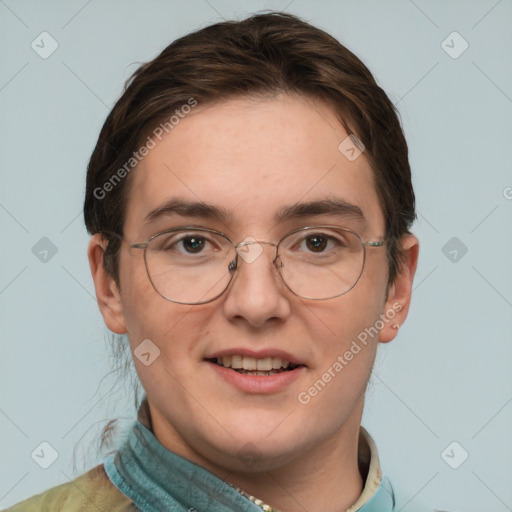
{"points": [[257, 384], [257, 354]]}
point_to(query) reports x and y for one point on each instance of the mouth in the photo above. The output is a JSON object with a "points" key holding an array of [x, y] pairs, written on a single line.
{"points": [[262, 367]]}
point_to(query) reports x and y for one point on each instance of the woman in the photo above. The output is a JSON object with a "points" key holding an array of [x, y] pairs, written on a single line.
{"points": [[249, 200]]}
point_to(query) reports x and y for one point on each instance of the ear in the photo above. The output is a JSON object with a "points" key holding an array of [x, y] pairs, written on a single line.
{"points": [[107, 291], [399, 295]]}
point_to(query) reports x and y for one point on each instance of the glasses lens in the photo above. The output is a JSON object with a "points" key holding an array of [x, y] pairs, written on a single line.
{"points": [[321, 263], [189, 266]]}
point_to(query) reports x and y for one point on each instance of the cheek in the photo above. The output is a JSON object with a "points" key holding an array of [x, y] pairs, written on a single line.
{"points": [[162, 338], [343, 366], [346, 357], [139, 299], [335, 324], [345, 334], [148, 316], [173, 330]]}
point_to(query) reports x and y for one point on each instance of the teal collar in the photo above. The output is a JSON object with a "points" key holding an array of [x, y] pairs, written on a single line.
{"points": [[157, 479]]}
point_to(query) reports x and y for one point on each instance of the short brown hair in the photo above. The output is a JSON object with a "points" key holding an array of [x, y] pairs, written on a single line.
{"points": [[264, 54]]}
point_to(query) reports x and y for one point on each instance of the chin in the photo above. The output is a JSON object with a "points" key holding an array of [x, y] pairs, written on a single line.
{"points": [[255, 458], [257, 450]]}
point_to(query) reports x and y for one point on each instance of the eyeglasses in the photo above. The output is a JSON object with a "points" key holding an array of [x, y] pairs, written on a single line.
{"points": [[191, 265]]}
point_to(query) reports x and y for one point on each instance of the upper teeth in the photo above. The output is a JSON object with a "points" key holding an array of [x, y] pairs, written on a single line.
{"points": [[251, 363]]}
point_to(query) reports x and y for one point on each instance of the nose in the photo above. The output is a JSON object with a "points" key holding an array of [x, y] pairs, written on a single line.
{"points": [[256, 293]]}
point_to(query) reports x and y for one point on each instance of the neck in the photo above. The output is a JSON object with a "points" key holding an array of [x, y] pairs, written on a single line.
{"points": [[325, 477]]}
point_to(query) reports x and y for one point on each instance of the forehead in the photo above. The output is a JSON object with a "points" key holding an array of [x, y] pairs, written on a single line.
{"points": [[252, 157]]}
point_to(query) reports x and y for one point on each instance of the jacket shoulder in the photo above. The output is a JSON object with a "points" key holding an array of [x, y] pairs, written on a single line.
{"points": [[92, 491]]}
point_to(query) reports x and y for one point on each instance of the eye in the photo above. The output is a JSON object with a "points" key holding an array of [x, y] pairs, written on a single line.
{"points": [[193, 244], [316, 243], [189, 243], [320, 243]]}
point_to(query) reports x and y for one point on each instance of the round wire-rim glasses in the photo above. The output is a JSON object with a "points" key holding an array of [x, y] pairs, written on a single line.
{"points": [[232, 261]]}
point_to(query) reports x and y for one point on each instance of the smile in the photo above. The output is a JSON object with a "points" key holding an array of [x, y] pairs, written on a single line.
{"points": [[247, 365], [265, 371]]}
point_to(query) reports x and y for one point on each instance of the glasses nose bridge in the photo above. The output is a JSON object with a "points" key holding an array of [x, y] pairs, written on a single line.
{"points": [[257, 242]]}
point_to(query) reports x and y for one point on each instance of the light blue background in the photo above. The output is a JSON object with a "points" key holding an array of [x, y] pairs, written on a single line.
{"points": [[448, 375]]}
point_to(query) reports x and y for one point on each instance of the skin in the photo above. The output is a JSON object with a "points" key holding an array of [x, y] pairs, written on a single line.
{"points": [[252, 157]]}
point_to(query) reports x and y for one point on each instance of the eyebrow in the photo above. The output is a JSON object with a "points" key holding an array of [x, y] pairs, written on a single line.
{"points": [[329, 206], [188, 209]]}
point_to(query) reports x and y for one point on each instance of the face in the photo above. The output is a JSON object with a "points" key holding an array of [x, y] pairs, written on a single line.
{"points": [[252, 158]]}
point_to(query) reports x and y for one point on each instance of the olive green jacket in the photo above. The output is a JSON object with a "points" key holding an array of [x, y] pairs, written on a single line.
{"points": [[92, 491]]}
